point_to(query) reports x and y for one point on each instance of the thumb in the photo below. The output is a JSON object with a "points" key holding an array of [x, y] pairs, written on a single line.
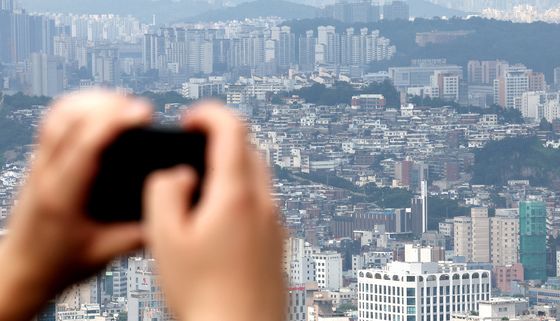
{"points": [[167, 200]]}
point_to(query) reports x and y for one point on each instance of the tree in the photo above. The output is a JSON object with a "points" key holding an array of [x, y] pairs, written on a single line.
{"points": [[123, 316], [161, 99], [516, 158], [13, 133], [545, 125], [276, 100], [346, 307], [83, 73], [441, 208], [341, 93]]}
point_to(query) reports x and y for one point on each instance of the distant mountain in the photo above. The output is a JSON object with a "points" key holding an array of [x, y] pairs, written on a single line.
{"points": [[165, 10], [293, 10], [259, 8], [426, 9], [200, 10]]}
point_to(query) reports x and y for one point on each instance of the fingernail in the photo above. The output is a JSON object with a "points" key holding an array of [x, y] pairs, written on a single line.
{"points": [[184, 172]]}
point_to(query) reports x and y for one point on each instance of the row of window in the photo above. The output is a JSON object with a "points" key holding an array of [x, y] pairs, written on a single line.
{"points": [[454, 301], [428, 291], [420, 278]]}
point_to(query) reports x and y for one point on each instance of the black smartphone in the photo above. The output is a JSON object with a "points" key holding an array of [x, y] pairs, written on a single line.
{"points": [[116, 192]]}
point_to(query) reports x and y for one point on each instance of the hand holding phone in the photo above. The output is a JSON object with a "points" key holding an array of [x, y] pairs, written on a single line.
{"points": [[116, 193]]}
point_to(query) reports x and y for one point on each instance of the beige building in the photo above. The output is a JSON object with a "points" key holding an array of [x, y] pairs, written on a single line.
{"points": [[462, 226], [480, 235], [504, 235], [472, 236]]}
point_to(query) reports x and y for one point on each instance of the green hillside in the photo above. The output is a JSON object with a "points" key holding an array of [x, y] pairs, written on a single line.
{"points": [[517, 159]]}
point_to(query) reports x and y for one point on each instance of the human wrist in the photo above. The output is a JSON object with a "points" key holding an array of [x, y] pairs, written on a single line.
{"points": [[23, 291]]}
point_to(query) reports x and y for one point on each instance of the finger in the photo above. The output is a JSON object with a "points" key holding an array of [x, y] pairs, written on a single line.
{"points": [[227, 139], [57, 126], [167, 201], [262, 183], [78, 164], [114, 240]]}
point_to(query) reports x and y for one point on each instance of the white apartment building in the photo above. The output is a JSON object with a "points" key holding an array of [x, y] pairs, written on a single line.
{"points": [[537, 105], [420, 291], [509, 88], [145, 298], [532, 105], [299, 263], [446, 85], [370, 259], [77, 295], [198, 88], [328, 270]]}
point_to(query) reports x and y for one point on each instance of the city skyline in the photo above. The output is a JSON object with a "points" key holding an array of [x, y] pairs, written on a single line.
{"points": [[414, 159]]}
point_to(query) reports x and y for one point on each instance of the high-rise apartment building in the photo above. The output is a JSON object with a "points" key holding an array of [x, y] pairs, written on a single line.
{"points": [[299, 264], [328, 45], [557, 77], [537, 81], [354, 11], [7, 5], [41, 34], [328, 270], [285, 46], [105, 65], [480, 235], [145, 297], [484, 72], [153, 52], [200, 57], [306, 53], [532, 239], [396, 10], [5, 36], [47, 73], [472, 236], [420, 291], [462, 237], [446, 85], [510, 86], [504, 233]]}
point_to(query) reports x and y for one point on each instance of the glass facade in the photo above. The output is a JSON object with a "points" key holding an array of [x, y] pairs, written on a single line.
{"points": [[532, 239]]}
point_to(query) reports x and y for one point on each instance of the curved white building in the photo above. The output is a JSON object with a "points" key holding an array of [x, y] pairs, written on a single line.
{"points": [[420, 291]]}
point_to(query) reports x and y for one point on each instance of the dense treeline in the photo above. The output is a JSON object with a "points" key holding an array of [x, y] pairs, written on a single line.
{"points": [[15, 134], [509, 115], [535, 45], [517, 159], [159, 100], [342, 92]]}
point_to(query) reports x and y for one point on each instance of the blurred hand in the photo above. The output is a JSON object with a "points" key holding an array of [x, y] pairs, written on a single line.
{"points": [[221, 260], [51, 241]]}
